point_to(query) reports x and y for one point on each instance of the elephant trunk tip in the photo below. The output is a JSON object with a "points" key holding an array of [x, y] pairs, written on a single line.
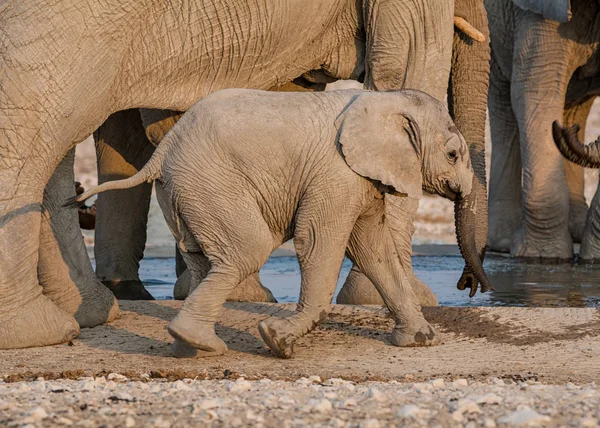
{"points": [[567, 142]]}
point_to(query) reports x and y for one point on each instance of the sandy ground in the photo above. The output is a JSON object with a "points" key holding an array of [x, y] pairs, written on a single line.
{"points": [[505, 366], [434, 224]]}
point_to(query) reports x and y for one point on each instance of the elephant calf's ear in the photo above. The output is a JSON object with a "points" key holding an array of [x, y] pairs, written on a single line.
{"points": [[380, 141]]}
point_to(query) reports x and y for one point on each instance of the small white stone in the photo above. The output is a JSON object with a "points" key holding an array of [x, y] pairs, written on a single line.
{"points": [[64, 421], [315, 379], [588, 421], [316, 405], [489, 398], [110, 385], [211, 403], [489, 423], [497, 381], [23, 388], [464, 406], [124, 396], [421, 387], [348, 403], [438, 383], [375, 394], [265, 381], [303, 381], [240, 385], [460, 382], [129, 422], [524, 417], [37, 414], [181, 386], [370, 423], [88, 385], [409, 411], [117, 377]]}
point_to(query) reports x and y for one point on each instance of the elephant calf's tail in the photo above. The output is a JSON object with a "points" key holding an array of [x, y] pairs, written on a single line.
{"points": [[148, 173]]}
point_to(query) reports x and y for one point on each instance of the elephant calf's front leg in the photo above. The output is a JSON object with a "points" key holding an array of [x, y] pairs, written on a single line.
{"points": [[371, 247]]}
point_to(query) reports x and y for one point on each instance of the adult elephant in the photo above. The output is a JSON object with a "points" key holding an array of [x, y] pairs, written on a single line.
{"points": [[544, 68], [67, 68], [568, 142]]}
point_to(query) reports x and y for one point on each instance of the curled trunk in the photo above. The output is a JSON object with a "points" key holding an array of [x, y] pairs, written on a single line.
{"points": [[465, 209], [571, 148], [467, 102]]}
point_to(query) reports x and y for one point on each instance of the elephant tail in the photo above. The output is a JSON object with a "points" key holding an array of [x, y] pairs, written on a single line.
{"points": [[150, 172]]}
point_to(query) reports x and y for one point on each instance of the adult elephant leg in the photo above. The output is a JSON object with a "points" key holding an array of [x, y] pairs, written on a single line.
{"points": [[538, 94], [27, 317], [64, 268], [122, 149], [505, 169], [574, 174], [590, 244], [358, 289]]}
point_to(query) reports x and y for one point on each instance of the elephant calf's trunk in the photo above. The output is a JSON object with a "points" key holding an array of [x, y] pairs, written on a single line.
{"points": [[568, 143], [465, 235]]}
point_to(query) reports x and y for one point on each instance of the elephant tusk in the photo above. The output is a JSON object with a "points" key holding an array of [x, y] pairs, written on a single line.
{"points": [[468, 29]]}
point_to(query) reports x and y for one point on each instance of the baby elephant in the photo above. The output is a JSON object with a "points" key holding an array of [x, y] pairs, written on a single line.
{"points": [[244, 171]]}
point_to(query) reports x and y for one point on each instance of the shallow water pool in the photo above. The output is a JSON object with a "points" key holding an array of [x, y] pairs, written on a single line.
{"points": [[516, 283]]}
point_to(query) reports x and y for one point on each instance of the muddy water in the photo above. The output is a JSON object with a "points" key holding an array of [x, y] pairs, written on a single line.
{"points": [[516, 283]]}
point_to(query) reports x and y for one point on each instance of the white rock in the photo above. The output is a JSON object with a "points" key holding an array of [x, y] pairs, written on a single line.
{"points": [[64, 421], [124, 396], [129, 422], [23, 388], [88, 385], [375, 394], [318, 405], [265, 381], [303, 381], [588, 421], [181, 386], [211, 403], [409, 411], [117, 377], [489, 398], [160, 423], [110, 385], [100, 380], [421, 387], [497, 381], [370, 423], [524, 417], [240, 385], [315, 379], [37, 414], [348, 403], [460, 382], [464, 406], [489, 423], [334, 381], [438, 383]]}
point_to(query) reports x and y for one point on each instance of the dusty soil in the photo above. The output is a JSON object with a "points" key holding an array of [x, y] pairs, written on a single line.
{"points": [[548, 344]]}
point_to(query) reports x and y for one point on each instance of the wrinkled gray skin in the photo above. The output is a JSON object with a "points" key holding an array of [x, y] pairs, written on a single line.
{"points": [[539, 60], [568, 142], [119, 245], [65, 69], [243, 171]]}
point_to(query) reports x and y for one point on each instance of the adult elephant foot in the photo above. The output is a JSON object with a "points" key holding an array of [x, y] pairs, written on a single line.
{"points": [[358, 290], [64, 269], [38, 322], [250, 290], [578, 210], [552, 247], [128, 289]]}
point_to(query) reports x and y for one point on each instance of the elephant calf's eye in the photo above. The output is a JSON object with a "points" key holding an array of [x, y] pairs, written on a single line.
{"points": [[452, 156]]}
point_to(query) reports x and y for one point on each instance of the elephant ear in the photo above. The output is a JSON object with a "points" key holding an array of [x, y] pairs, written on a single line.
{"points": [[380, 141], [554, 10]]}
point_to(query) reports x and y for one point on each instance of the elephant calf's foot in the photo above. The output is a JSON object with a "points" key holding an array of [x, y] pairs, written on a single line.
{"points": [[181, 349], [251, 290], [193, 335], [37, 323], [424, 335], [128, 289], [279, 335]]}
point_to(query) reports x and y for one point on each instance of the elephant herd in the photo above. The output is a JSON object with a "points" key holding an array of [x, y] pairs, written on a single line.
{"points": [[127, 71]]}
